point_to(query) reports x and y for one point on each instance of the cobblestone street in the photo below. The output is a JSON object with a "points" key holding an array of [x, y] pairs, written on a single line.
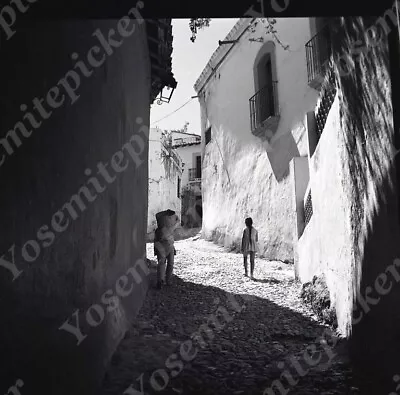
{"points": [[264, 332]]}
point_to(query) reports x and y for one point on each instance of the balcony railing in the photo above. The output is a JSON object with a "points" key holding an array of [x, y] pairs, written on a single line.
{"points": [[194, 175], [318, 52], [263, 105]]}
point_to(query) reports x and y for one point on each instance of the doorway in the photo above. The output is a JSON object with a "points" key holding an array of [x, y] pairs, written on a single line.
{"points": [[198, 166], [265, 100]]}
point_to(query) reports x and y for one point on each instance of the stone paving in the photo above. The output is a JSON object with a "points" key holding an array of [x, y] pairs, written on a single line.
{"points": [[215, 331]]}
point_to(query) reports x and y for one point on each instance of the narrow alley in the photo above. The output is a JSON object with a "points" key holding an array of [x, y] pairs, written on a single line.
{"points": [[267, 329], [142, 130]]}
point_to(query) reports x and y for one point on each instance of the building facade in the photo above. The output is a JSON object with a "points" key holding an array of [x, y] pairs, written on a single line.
{"points": [[253, 95], [189, 148], [74, 153], [306, 140], [165, 177]]}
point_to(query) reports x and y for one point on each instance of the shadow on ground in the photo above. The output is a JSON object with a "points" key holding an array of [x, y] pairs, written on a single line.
{"points": [[240, 352], [267, 280]]}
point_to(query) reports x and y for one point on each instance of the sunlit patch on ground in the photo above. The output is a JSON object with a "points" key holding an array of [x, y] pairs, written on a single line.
{"points": [[242, 355]]}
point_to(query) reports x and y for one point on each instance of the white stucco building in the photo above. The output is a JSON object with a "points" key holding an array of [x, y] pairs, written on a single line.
{"points": [[254, 95], [188, 146], [300, 141], [165, 176]]}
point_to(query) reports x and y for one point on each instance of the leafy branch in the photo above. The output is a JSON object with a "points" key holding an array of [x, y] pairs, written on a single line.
{"points": [[269, 29], [197, 24]]}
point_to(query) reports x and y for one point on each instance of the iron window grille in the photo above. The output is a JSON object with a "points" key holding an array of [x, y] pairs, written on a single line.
{"points": [[318, 52], [308, 208], [263, 105]]}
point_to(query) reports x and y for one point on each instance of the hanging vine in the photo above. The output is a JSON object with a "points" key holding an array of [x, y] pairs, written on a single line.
{"points": [[169, 158], [166, 158], [197, 24], [269, 29]]}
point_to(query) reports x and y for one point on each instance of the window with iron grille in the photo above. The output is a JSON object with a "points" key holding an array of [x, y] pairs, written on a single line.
{"points": [[327, 96], [318, 52], [263, 105], [208, 135], [308, 209]]}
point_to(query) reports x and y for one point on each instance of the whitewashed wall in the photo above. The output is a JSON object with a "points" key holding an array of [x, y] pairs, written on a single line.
{"points": [[241, 175], [163, 184], [188, 154], [325, 247]]}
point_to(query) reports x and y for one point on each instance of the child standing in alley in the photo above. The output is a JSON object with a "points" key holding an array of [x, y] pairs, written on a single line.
{"points": [[249, 245]]}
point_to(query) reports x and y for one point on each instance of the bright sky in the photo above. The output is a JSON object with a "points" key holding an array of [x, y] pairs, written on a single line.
{"points": [[188, 61]]}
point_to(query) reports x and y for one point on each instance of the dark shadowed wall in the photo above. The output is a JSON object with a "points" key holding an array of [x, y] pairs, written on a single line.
{"points": [[367, 127], [82, 255]]}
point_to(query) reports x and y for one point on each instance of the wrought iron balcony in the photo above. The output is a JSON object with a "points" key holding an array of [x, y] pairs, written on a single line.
{"points": [[264, 111], [194, 175], [318, 52]]}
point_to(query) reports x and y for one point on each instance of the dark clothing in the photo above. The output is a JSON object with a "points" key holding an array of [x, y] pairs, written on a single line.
{"points": [[164, 248], [164, 274], [163, 244]]}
